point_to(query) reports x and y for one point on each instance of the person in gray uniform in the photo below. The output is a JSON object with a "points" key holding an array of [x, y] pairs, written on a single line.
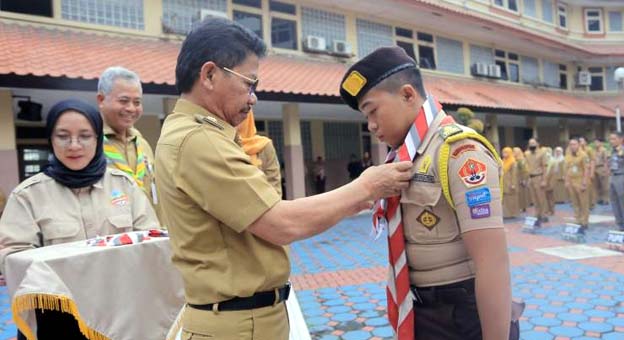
{"points": [[616, 184]]}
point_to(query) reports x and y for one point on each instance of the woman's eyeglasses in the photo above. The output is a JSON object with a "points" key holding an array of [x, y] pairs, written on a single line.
{"points": [[65, 141]]}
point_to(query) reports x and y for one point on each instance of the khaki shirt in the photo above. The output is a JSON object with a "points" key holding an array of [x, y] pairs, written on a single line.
{"points": [[210, 193], [536, 162], [129, 151], [602, 162], [576, 166], [42, 212], [436, 253], [271, 167]]}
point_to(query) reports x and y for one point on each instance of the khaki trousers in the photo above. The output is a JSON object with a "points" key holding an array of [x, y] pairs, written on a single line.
{"points": [[580, 203], [538, 196], [268, 323]]}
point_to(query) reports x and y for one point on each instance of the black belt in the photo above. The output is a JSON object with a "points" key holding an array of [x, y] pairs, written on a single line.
{"points": [[535, 175], [451, 294], [258, 300], [599, 165], [618, 174]]}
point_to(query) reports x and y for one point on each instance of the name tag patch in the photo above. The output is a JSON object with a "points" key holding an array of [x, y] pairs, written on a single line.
{"points": [[478, 197], [423, 178], [118, 198], [462, 149], [480, 211]]}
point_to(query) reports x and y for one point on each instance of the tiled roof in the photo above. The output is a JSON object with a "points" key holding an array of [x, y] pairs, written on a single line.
{"points": [[29, 50]]}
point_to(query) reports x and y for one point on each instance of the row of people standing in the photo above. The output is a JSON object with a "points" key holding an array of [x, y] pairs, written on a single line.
{"points": [[543, 177]]}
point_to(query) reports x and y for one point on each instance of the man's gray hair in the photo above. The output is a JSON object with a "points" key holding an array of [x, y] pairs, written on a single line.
{"points": [[108, 77]]}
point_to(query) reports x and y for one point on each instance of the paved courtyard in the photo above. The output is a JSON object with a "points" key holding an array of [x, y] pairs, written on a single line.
{"points": [[339, 277]]}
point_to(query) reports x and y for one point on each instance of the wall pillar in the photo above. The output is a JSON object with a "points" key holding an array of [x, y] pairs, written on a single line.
{"points": [[379, 150], [9, 166], [293, 152]]}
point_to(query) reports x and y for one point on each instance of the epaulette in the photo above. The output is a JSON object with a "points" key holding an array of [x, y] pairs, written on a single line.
{"points": [[208, 120], [117, 172], [449, 130], [28, 182]]}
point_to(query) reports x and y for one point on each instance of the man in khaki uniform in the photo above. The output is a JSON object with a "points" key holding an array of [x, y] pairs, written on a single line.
{"points": [[227, 224], [577, 173], [451, 213], [120, 100], [591, 190], [537, 163], [601, 175]]}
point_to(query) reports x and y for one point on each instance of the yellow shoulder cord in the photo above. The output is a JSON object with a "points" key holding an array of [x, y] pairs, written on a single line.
{"points": [[444, 159]]}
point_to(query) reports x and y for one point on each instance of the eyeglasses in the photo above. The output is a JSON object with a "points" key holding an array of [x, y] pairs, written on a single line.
{"points": [[253, 83], [65, 141]]}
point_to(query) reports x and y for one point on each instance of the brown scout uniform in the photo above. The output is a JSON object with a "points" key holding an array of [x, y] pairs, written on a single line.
{"points": [[113, 205], [536, 164], [129, 153], [510, 196], [210, 192], [436, 254], [271, 167], [591, 189], [601, 177], [576, 169]]}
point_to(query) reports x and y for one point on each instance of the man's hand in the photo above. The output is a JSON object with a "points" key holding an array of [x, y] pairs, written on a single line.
{"points": [[385, 180]]}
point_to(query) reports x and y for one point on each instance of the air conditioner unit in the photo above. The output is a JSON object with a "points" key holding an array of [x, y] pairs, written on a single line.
{"points": [[583, 78], [208, 13], [313, 43], [341, 48], [494, 71], [480, 69]]}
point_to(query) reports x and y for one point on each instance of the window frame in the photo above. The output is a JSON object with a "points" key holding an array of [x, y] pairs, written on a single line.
{"points": [[559, 7], [608, 16], [416, 44], [600, 74], [600, 19], [563, 72], [296, 18], [505, 6], [508, 61], [251, 13]]}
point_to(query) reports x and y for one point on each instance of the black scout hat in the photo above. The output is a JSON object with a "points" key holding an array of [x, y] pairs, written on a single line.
{"points": [[371, 70]]}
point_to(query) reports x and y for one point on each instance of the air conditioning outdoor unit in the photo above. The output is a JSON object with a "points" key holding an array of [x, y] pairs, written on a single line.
{"points": [[480, 69], [583, 78], [208, 13], [313, 43], [494, 71], [341, 48]]}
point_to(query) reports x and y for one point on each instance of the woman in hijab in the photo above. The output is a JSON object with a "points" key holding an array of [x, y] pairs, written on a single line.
{"points": [[523, 178], [510, 184], [261, 151], [75, 198]]}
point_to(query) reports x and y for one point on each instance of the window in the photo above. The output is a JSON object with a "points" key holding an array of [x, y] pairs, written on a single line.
{"points": [[426, 55], [563, 15], [450, 55], [284, 33], [125, 14], [530, 9], [403, 32], [550, 74], [597, 79], [547, 11], [512, 5], [328, 25], [372, 35], [593, 20], [615, 21], [341, 140], [179, 16], [530, 70], [249, 20], [563, 77], [250, 3], [508, 62], [33, 7], [282, 7], [408, 47]]}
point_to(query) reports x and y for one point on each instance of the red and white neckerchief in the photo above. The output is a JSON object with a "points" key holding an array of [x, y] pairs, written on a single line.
{"points": [[388, 212]]}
